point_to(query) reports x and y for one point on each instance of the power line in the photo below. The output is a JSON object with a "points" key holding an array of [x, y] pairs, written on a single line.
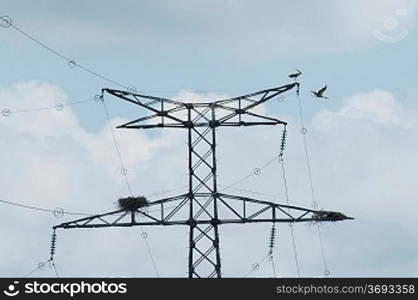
{"points": [[41, 265], [252, 192], [273, 266], [59, 106], [256, 266], [55, 268], [308, 165], [202, 199], [60, 211], [54, 211], [116, 146], [124, 173], [7, 22], [286, 192], [166, 191], [256, 172], [272, 236], [71, 62], [154, 265]]}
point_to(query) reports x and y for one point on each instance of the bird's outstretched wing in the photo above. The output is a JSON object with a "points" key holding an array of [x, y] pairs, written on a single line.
{"points": [[322, 91]]}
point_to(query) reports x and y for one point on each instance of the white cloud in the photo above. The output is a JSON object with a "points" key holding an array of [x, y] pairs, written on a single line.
{"points": [[377, 106]]}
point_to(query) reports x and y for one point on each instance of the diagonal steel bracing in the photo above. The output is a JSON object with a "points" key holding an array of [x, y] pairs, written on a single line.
{"points": [[203, 208]]}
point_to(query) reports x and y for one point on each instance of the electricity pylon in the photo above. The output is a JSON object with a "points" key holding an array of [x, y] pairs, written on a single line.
{"points": [[203, 208]]}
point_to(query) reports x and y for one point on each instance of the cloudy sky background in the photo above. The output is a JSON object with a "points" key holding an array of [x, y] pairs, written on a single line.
{"points": [[362, 141]]}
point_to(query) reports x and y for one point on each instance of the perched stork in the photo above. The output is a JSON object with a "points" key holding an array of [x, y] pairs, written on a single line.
{"points": [[320, 93], [295, 75]]}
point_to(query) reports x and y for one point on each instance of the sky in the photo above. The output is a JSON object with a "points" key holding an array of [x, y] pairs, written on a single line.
{"points": [[361, 140]]}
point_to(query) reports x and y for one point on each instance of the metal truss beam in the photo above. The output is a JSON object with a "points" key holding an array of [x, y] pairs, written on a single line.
{"points": [[167, 113], [203, 209], [171, 211]]}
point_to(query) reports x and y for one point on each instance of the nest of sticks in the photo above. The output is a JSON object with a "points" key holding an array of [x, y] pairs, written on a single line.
{"points": [[132, 203]]}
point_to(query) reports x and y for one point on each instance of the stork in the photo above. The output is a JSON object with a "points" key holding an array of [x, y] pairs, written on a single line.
{"points": [[320, 93], [295, 75]]}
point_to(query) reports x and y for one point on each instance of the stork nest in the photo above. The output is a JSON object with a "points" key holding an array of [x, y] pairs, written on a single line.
{"points": [[329, 216], [132, 203]]}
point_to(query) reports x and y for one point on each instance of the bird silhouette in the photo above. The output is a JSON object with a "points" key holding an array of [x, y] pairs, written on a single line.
{"points": [[320, 93], [295, 75]]}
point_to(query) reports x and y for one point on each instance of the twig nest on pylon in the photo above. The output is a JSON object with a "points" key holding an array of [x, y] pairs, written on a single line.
{"points": [[132, 203]]}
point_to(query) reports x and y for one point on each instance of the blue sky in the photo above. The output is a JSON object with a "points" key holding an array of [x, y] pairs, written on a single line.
{"points": [[205, 50], [224, 46]]}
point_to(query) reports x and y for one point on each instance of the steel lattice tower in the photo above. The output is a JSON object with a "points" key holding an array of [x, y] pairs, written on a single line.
{"points": [[203, 208]]}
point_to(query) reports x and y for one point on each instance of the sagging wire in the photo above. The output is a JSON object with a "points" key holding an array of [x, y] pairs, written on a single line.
{"points": [[309, 169], [273, 196], [6, 112], [40, 266], [273, 229], [166, 191], [124, 173], [144, 235], [6, 22], [286, 194], [59, 212], [256, 266], [270, 254], [255, 172], [51, 259]]}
